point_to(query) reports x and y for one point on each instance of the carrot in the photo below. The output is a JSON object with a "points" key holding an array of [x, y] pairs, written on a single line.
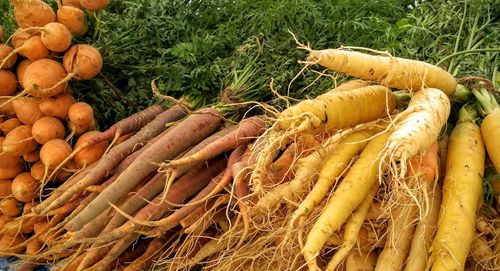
{"points": [[9, 244], [423, 235], [52, 154], [81, 114], [174, 219], [71, 3], [8, 83], [8, 160], [465, 167], [27, 109], [57, 106], [34, 246], [483, 253], [6, 109], [113, 158], [351, 231], [182, 136], [79, 130], [5, 188], [73, 264], [186, 186], [490, 127], [281, 170], [9, 125], [398, 242], [24, 187], [103, 224], [351, 84], [73, 18], [46, 129], [20, 69], [94, 5], [91, 229], [32, 157], [4, 220], [90, 154], [33, 49], [64, 186], [419, 127], [240, 172], [44, 78], [82, 62], [173, 173], [328, 110], [361, 177], [10, 172], [20, 36], [6, 57], [37, 170], [137, 201], [43, 229], [55, 36], [389, 71], [226, 178], [306, 171], [1, 34], [401, 227], [132, 123], [146, 259], [331, 170], [10, 207], [121, 139], [26, 17], [118, 248], [361, 260], [130, 254], [66, 208], [19, 141], [247, 129], [194, 216]]}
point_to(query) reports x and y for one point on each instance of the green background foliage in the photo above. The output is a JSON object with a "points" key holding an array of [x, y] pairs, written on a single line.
{"points": [[194, 46]]}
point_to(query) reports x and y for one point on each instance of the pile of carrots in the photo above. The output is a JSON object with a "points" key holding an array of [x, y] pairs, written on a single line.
{"points": [[394, 169], [41, 123]]}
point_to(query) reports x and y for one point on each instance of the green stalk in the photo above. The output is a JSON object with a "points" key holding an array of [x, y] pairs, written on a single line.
{"points": [[461, 94], [467, 113], [402, 98], [460, 29], [486, 100], [473, 51]]}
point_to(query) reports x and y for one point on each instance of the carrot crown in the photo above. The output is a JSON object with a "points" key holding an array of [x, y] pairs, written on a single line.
{"points": [[486, 100], [468, 113], [402, 98], [462, 94]]}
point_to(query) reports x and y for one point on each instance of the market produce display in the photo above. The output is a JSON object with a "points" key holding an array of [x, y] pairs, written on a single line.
{"points": [[392, 167]]}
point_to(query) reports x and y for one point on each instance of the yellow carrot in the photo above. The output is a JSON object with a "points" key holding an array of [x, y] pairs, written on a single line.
{"points": [[352, 228], [418, 127], [333, 167], [424, 232], [389, 71], [462, 189], [328, 111], [347, 197]]}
